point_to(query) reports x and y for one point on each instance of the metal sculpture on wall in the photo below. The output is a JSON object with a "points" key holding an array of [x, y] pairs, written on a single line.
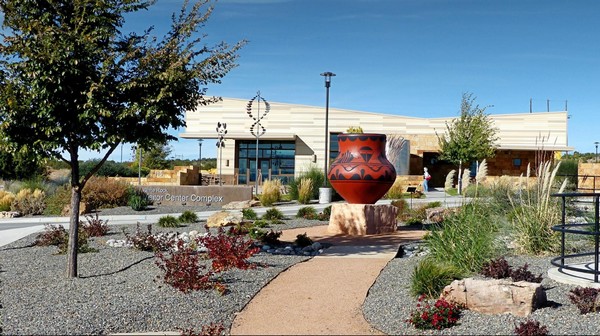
{"points": [[257, 129]]}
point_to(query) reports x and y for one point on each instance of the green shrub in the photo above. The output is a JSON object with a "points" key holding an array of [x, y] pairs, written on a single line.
{"points": [[56, 202], [249, 214], [256, 233], [138, 202], [261, 223], [354, 129], [317, 177], [430, 277], [273, 213], [271, 192], [325, 215], [466, 239], [188, 217], [307, 212], [109, 168], [168, 221], [302, 240]]}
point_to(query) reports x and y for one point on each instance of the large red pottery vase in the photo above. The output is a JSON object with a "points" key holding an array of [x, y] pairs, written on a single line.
{"points": [[361, 173]]}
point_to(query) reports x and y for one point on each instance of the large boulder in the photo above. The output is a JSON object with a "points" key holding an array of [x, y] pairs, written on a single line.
{"points": [[496, 296], [362, 219], [224, 218]]}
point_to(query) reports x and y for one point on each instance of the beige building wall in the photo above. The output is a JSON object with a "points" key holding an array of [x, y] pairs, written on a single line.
{"points": [[305, 125]]}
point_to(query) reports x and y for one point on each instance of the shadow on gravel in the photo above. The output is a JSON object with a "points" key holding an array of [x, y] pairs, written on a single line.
{"points": [[117, 271], [17, 247]]}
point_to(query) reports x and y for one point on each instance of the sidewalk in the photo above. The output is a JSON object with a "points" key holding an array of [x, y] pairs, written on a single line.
{"points": [[324, 295]]}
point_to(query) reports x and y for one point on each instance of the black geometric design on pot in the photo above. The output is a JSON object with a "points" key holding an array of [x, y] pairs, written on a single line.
{"points": [[345, 157], [366, 152]]}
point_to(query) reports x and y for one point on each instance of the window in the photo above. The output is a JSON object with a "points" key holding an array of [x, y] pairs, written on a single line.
{"points": [[517, 162], [278, 156]]}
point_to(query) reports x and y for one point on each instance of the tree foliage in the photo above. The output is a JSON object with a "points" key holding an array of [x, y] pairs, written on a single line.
{"points": [[73, 79], [472, 136]]}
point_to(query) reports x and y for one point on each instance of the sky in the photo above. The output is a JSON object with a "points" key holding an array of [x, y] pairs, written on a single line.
{"points": [[406, 57]]}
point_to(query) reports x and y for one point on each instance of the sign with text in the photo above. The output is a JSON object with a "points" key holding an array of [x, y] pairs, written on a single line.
{"points": [[196, 195]]}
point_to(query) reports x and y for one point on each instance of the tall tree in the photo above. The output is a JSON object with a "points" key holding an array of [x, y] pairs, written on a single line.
{"points": [[472, 136], [72, 79]]}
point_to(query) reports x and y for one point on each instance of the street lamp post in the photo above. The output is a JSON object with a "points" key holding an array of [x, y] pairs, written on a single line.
{"points": [[596, 143], [324, 192], [200, 153], [327, 76], [221, 131]]}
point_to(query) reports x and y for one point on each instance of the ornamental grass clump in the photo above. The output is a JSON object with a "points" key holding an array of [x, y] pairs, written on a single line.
{"points": [[535, 212], [29, 202], [273, 214], [430, 277], [305, 188], [6, 198], [317, 177], [188, 217], [307, 212], [271, 192], [465, 239], [442, 314], [168, 221]]}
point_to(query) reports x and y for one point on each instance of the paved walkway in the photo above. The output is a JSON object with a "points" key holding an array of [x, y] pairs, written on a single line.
{"points": [[324, 295]]}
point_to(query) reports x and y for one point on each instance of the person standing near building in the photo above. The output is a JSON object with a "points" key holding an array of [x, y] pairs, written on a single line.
{"points": [[426, 178]]}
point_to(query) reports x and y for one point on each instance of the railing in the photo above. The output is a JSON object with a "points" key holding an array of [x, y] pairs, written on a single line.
{"points": [[583, 183], [578, 229]]}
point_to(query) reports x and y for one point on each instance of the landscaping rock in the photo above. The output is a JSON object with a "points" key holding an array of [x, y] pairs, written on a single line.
{"points": [[9, 214], [241, 205], [224, 218], [496, 296]]}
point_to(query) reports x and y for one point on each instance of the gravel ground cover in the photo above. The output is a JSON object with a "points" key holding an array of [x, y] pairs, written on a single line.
{"points": [[119, 289], [389, 305]]}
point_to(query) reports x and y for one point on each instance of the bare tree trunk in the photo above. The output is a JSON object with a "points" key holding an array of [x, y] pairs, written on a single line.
{"points": [[460, 178], [73, 232]]}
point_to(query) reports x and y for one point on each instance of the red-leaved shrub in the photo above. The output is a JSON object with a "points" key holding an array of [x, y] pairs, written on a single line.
{"points": [[228, 251], [531, 328], [183, 271], [442, 314]]}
